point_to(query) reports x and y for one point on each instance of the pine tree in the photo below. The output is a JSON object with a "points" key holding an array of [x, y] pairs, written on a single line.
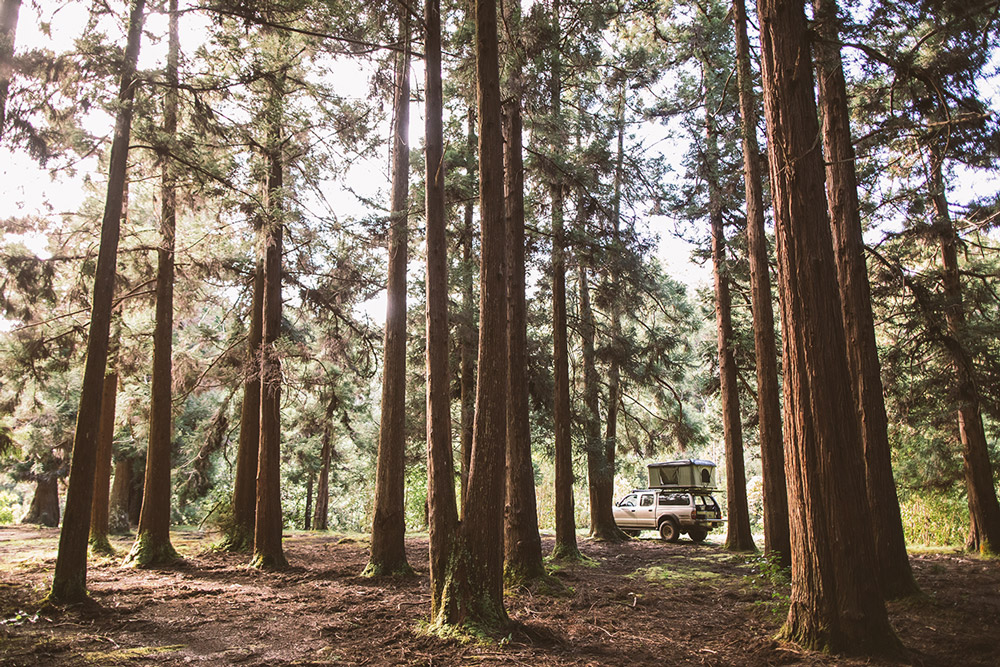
{"points": [[69, 583], [835, 603]]}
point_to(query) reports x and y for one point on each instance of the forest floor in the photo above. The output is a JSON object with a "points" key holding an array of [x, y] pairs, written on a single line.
{"points": [[640, 603]]}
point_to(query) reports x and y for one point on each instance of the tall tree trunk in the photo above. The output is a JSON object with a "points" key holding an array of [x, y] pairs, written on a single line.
{"points": [[738, 537], [267, 549], [118, 517], [441, 509], [772, 454], [388, 551], [8, 31], [244, 509], [475, 591], [69, 583], [152, 540], [44, 508], [469, 331], [522, 542], [984, 509], [600, 478], [891, 560], [321, 514], [565, 509], [615, 333], [835, 603], [99, 513]]}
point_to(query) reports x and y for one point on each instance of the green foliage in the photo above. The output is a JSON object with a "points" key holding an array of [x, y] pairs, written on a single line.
{"points": [[934, 518]]}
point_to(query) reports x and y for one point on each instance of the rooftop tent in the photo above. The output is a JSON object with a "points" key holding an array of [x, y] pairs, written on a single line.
{"points": [[687, 473]]}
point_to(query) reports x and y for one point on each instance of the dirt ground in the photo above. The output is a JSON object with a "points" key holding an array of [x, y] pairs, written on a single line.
{"points": [[645, 602]]}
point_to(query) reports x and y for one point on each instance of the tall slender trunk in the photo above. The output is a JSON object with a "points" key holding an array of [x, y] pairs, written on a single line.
{"points": [[615, 332], [522, 542], [565, 510], [307, 514], [267, 549], [321, 513], [388, 551], [835, 602], [772, 454], [892, 563], [984, 509], [8, 31], [99, 513], [152, 540], [469, 331], [240, 537], [738, 537], [441, 509], [476, 589], [69, 582]]}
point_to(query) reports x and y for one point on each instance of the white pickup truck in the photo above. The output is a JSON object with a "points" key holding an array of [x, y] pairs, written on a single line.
{"points": [[672, 512]]}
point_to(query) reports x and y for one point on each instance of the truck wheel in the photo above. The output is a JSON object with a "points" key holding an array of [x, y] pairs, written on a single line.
{"points": [[669, 530], [697, 534]]}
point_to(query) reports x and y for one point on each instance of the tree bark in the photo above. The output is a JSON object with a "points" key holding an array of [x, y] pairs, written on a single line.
{"points": [[441, 509], [44, 508], [600, 479], [476, 587], [388, 551], [118, 519], [307, 514], [565, 508], [321, 515], [522, 542], [152, 541], [614, 365], [69, 582], [469, 331], [244, 509], [984, 509], [891, 560], [738, 536], [99, 513], [267, 549], [772, 454], [8, 31], [835, 602]]}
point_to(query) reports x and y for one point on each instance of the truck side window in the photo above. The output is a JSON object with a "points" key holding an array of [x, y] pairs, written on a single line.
{"points": [[628, 501], [646, 500]]}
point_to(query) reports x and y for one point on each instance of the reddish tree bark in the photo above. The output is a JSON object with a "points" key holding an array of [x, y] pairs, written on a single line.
{"points": [[891, 560], [565, 508], [738, 536], [267, 548], [522, 542], [244, 509], [441, 509], [69, 583], [835, 602], [772, 454], [99, 513], [984, 509], [388, 551], [152, 540]]}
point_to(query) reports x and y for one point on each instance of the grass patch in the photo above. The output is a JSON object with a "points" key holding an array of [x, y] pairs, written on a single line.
{"points": [[123, 656], [676, 575]]}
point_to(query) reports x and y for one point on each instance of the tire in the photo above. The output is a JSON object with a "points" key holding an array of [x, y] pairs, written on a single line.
{"points": [[669, 530], [630, 532], [697, 534]]}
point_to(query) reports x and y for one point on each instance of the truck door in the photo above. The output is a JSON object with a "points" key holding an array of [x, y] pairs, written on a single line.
{"points": [[645, 515], [625, 511]]}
